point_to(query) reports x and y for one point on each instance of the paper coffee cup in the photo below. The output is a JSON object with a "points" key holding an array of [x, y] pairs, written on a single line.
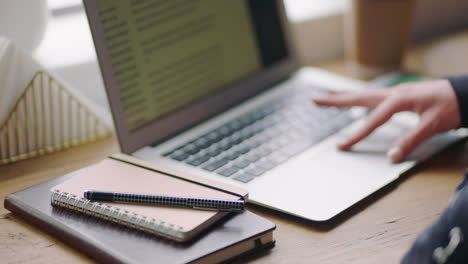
{"points": [[377, 35]]}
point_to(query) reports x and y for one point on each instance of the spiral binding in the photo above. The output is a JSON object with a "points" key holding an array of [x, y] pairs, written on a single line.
{"points": [[117, 215]]}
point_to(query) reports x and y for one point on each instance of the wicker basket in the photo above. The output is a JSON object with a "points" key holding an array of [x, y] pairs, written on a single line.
{"points": [[46, 118]]}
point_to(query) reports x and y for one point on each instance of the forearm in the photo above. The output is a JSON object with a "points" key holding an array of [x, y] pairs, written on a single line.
{"points": [[460, 86]]}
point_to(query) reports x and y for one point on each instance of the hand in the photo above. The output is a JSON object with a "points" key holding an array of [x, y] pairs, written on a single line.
{"points": [[434, 101]]}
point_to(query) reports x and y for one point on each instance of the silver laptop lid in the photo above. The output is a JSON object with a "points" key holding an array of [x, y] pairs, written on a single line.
{"points": [[168, 65]]}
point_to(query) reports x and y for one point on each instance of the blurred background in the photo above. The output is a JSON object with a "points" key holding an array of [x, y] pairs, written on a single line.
{"points": [[67, 47]]}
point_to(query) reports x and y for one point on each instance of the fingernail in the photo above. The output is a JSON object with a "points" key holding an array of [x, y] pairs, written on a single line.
{"points": [[318, 96], [394, 154], [342, 143]]}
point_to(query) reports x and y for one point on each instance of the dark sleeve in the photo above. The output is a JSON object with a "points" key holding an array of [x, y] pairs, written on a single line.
{"points": [[460, 85], [446, 241]]}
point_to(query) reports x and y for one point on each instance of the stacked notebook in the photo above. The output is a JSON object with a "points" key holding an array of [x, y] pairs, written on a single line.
{"points": [[129, 233]]}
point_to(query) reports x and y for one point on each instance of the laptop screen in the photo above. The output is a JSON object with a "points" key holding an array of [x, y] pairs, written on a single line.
{"points": [[166, 56]]}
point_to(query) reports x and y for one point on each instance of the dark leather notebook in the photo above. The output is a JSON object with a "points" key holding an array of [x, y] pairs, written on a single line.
{"points": [[233, 236]]}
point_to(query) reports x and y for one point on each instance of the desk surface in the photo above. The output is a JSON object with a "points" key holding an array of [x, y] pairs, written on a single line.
{"points": [[378, 229]]}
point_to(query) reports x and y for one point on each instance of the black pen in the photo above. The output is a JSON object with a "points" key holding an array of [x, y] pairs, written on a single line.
{"points": [[173, 201]]}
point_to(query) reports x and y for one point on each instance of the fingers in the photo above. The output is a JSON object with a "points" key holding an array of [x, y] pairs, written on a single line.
{"points": [[379, 116], [408, 143], [369, 98]]}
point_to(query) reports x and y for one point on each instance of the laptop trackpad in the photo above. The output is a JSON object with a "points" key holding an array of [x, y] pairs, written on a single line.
{"points": [[381, 140]]}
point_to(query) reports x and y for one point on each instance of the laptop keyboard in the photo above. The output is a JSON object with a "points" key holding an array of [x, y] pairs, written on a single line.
{"points": [[252, 144]]}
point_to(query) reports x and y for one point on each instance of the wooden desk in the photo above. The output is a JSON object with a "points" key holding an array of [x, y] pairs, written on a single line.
{"points": [[377, 230]]}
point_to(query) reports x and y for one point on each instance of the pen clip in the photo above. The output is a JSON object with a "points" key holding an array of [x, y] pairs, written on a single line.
{"points": [[218, 209], [205, 208]]}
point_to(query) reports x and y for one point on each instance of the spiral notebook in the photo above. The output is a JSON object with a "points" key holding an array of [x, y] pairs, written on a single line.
{"points": [[122, 173]]}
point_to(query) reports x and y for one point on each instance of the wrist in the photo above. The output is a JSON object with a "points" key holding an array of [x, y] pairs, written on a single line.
{"points": [[459, 84]]}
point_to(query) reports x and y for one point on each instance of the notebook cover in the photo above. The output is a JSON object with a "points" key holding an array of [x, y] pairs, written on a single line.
{"points": [[121, 176], [112, 243]]}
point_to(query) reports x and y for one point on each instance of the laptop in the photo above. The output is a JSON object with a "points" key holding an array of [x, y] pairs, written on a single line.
{"points": [[213, 88]]}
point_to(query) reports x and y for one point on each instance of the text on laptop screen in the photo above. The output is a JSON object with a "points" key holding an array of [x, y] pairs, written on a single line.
{"points": [[168, 54]]}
